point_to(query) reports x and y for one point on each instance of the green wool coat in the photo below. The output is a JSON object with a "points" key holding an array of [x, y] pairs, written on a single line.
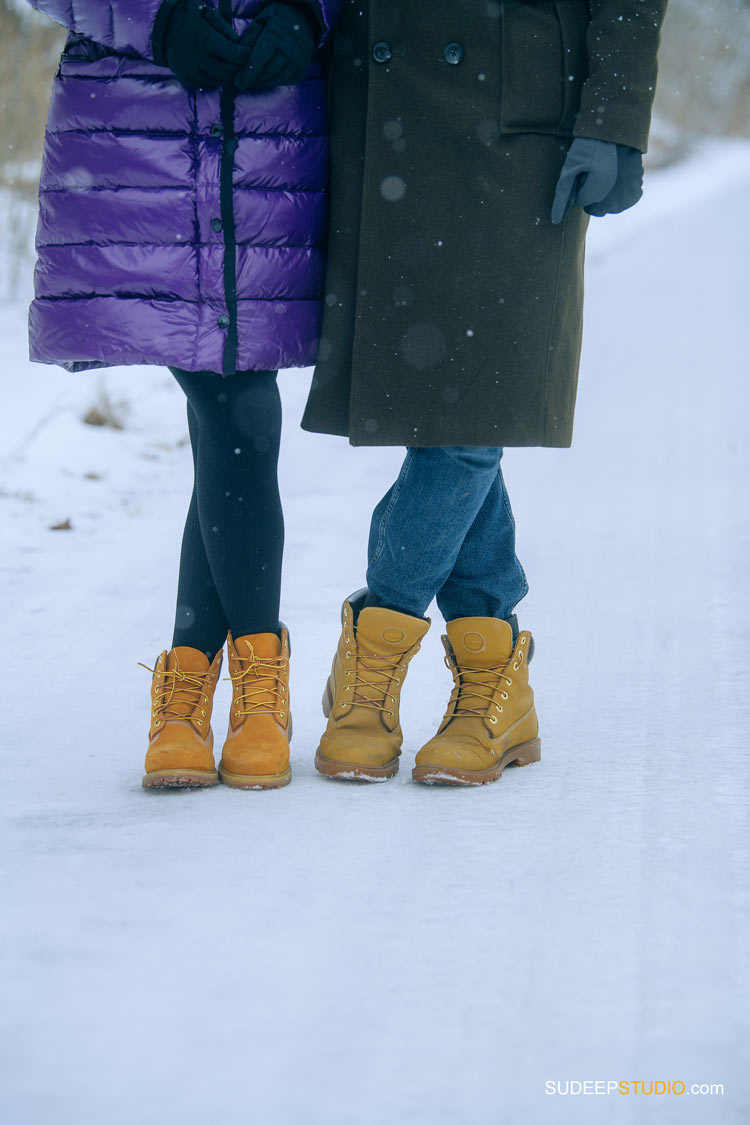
{"points": [[453, 304]]}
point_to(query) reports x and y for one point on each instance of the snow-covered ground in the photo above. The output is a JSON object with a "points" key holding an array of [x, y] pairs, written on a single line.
{"points": [[330, 954]]}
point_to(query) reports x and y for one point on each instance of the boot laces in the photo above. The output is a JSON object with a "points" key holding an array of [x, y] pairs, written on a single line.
{"points": [[478, 685], [383, 669], [251, 694], [179, 689]]}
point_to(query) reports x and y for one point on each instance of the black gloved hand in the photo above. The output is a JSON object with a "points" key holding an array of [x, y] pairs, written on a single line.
{"points": [[282, 40], [602, 177], [200, 47]]}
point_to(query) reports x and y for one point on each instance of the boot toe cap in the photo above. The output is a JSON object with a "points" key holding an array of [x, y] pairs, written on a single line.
{"points": [[453, 755], [259, 757], [358, 750], [179, 753]]}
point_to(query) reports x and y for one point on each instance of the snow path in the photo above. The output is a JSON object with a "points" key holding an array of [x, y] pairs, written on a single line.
{"points": [[351, 955]]}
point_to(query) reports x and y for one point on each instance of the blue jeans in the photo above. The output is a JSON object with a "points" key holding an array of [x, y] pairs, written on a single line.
{"points": [[445, 530]]}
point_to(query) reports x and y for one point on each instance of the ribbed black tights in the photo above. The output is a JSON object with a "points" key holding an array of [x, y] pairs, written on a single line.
{"points": [[232, 546]]}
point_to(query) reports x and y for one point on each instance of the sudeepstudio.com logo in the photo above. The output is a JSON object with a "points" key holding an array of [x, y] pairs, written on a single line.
{"points": [[591, 1087]]}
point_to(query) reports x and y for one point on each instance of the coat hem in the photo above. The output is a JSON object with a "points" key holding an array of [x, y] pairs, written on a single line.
{"points": [[407, 441], [78, 365]]}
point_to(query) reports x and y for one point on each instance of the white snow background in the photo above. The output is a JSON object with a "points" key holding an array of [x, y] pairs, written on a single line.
{"points": [[361, 955]]}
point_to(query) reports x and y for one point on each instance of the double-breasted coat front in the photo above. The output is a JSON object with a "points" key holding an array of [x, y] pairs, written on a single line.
{"points": [[453, 303]]}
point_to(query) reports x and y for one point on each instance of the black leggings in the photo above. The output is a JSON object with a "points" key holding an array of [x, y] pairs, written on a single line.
{"points": [[232, 547]]}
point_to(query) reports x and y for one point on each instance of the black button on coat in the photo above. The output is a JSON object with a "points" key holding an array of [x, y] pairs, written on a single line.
{"points": [[454, 305], [382, 52]]}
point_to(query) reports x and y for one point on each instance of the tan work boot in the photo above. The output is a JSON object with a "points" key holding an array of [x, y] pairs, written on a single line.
{"points": [[490, 722], [180, 752], [256, 751], [362, 741]]}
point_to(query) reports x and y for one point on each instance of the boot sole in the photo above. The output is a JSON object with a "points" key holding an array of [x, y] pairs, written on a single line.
{"points": [[180, 779], [354, 771], [255, 781], [522, 755]]}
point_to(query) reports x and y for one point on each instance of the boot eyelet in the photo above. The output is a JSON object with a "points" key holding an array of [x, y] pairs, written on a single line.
{"points": [[346, 687], [493, 720], [199, 722], [348, 655], [283, 714], [503, 695], [523, 640], [389, 713], [156, 722]]}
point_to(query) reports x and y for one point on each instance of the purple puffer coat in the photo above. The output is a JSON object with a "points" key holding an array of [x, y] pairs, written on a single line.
{"points": [[176, 227]]}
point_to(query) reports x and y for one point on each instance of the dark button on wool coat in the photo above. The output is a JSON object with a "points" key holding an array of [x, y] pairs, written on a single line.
{"points": [[454, 305], [175, 226]]}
